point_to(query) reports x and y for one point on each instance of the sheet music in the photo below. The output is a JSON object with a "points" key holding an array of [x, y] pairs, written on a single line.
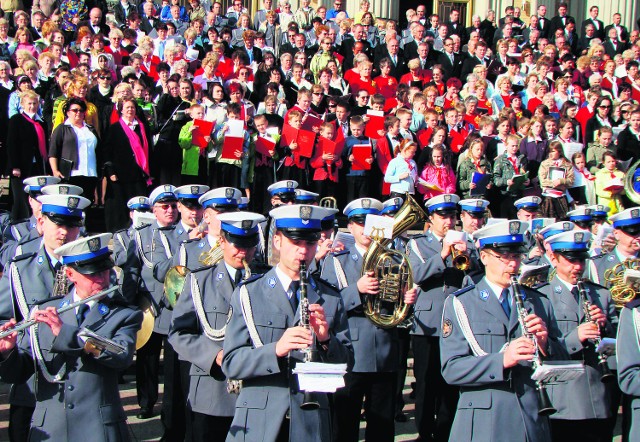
{"points": [[555, 372], [320, 377]]}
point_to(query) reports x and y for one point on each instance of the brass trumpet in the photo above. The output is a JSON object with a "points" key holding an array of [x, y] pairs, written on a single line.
{"points": [[460, 259]]}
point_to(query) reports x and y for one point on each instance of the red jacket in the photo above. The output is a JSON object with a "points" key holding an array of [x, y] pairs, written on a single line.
{"points": [[322, 169], [384, 155]]}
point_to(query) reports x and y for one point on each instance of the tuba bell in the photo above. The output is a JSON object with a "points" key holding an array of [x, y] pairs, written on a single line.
{"points": [[174, 283], [460, 259], [392, 270], [632, 183]]}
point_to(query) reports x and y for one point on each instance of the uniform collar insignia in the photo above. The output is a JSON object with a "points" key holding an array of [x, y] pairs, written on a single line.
{"points": [[484, 295], [272, 282]]}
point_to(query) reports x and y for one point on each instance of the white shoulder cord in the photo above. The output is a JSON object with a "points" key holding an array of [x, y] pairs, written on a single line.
{"points": [[16, 233], [120, 240], [183, 255], [210, 332], [18, 251], [594, 272], [16, 283], [165, 244], [340, 275], [247, 313], [37, 355], [144, 259], [414, 247], [261, 239], [463, 320]]}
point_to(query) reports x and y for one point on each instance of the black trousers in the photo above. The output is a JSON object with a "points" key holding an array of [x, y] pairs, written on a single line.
{"points": [[88, 184], [357, 187], [210, 428], [148, 371], [19, 422], [296, 174], [263, 177], [116, 213], [228, 175], [436, 401], [403, 350], [174, 415], [585, 430], [20, 208], [379, 406]]}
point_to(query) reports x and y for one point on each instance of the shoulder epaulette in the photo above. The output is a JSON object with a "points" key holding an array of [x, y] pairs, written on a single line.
{"points": [[144, 226], [602, 255], [539, 286], [253, 278], [47, 300], [464, 290], [633, 304], [600, 286], [185, 241], [25, 239], [327, 283], [120, 231], [343, 252], [419, 235], [199, 269], [23, 257], [166, 228]]}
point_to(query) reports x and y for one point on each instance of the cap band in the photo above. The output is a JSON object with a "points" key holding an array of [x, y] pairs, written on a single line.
{"points": [[550, 233], [305, 198], [362, 211], [502, 240], [570, 246], [480, 209], [221, 201], [59, 210], [187, 196], [441, 206], [527, 204], [164, 195], [391, 208], [83, 257], [298, 223], [580, 218], [137, 206], [626, 222], [282, 190], [237, 230]]}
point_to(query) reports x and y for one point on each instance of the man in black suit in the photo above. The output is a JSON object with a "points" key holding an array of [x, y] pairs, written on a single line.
{"points": [[621, 31], [346, 48], [544, 24], [585, 40], [533, 25], [94, 23], [410, 46], [629, 138], [37, 19], [571, 36], [454, 26], [613, 46], [473, 61], [450, 61], [394, 53], [476, 26], [560, 20], [488, 26], [598, 25]]}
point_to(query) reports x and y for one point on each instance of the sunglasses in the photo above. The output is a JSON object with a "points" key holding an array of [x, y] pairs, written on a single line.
{"points": [[166, 207], [604, 107], [77, 110], [102, 77]]}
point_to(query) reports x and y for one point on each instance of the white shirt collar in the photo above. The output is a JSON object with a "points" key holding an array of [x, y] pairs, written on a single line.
{"points": [[284, 279], [76, 298], [361, 250], [496, 289], [185, 227], [231, 271]]}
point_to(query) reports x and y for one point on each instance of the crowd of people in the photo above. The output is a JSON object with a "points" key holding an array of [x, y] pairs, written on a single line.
{"points": [[223, 145]]}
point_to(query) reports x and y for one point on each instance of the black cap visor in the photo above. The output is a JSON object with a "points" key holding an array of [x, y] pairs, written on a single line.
{"points": [[190, 203], [507, 247], [301, 234], [94, 265], [61, 220], [241, 241], [572, 255], [633, 230]]}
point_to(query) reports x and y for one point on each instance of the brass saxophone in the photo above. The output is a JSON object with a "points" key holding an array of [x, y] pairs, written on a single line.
{"points": [[61, 283], [392, 269], [545, 408], [605, 372]]}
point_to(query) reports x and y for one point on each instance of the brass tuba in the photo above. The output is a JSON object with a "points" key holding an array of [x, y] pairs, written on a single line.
{"points": [[632, 183], [392, 269], [621, 293]]}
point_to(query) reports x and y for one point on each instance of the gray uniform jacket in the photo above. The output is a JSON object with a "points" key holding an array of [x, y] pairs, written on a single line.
{"points": [[628, 358], [149, 257], [121, 240], [496, 404], [375, 349], [269, 389], [86, 404], [12, 235], [189, 253], [585, 397], [208, 387], [598, 265], [436, 280]]}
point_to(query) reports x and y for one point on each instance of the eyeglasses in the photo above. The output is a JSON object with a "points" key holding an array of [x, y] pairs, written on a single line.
{"points": [[317, 93], [605, 107], [166, 207], [77, 110], [506, 258], [102, 77], [625, 111]]}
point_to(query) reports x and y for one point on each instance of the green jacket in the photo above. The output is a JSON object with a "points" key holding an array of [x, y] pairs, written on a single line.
{"points": [[595, 154], [190, 152], [465, 173], [503, 171]]}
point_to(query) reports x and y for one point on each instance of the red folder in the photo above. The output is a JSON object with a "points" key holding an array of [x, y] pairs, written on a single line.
{"points": [[374, 124], [311, 121], [361, 153], [232, 148], [202, 129], [289, 135], [304, 138], [327, 146], [424, 136], [264, 145]]}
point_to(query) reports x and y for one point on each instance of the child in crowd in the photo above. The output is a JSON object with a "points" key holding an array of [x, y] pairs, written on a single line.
{"points": [[555, 175], [406, 116], [358, 184], [506, 167], [438, 173], [472, 161], [386, 145], [295, 166], [402, 171], [583, 189], [325, 165], [263, 172], [229, 172], [596, 150], [419, 106], [194, 158], [608, 184]]}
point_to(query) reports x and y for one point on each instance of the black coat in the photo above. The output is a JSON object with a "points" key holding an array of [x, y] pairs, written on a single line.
{"points": [[556, 23], [544, 25], [397, 70], [22, 147], [628, 145], [599, 33], [451, 69], [119, 157]]}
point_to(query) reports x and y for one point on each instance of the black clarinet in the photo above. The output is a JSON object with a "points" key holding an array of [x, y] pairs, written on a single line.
{"points": [[606, 375], [310, 400], [545, 408]]}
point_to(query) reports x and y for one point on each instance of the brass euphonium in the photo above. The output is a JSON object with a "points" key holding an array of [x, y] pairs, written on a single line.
{"points": [[392, 269]]}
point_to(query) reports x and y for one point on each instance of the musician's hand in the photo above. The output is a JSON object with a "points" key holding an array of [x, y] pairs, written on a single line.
{"points": [[50, 317], [337, 247], [324, 247], [588, 330], [294, 338], [319, 322], [535, 252], [219, 358], [411, 296], [521, 349], [536, 325], [446, 247], [368, 284], [608, 242], [597, 315], [9, 343], [196, 233]]}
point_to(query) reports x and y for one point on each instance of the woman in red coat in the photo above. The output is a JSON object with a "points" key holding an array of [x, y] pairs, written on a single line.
{"points": [[416, 76]]}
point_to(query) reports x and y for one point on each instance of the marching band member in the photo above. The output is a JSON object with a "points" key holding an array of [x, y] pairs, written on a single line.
{"points": [[122, 238], [76, 389], [149, 256], [628, 361], [30, 279], [545, 234], [282, 193], [263, 331], [376, 349], [528, 207], [190, 211], [306, 197], [473, 213], [599, 214], [626, 229], [582, 217], [197, 329], [583, 404], [214, 202], [434, 273], [483, 350]]}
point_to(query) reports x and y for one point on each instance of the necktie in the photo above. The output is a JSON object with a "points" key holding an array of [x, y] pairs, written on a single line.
{"points": [[293, 299], [237, 278], [83, 310], [451, 57], [393, 58], [57, 267], [505, 303], [575, 293], [161, 49]]}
